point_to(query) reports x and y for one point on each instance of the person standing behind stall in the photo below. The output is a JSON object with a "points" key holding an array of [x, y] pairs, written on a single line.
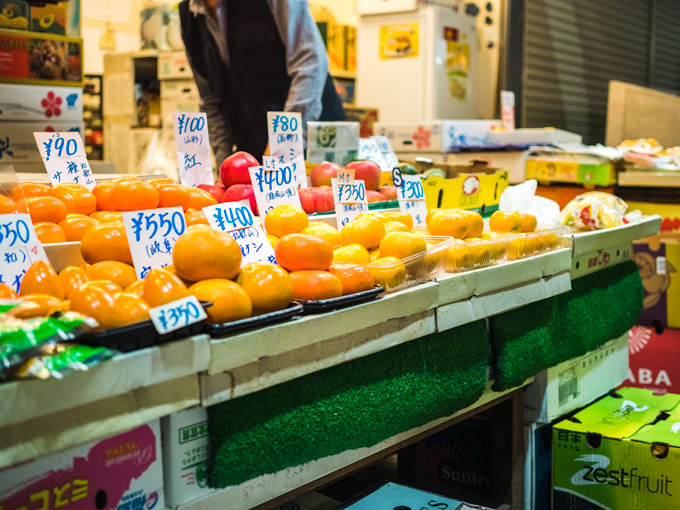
{"points": [[253, 56]]}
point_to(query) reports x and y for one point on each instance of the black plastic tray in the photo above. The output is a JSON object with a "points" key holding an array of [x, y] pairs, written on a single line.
{"points": [[139, 335], [258, 321], [328, 305]]}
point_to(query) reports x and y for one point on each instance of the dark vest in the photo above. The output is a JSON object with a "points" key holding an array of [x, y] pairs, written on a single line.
{"points": [[255, 81]]}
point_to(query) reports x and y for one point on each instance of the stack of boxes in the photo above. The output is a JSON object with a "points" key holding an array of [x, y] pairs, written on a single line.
{"points": [[41, 76]]}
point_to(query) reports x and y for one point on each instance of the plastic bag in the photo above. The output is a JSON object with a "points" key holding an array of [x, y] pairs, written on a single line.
{"points": [[522, 197], [594, 210], [57, 360]]}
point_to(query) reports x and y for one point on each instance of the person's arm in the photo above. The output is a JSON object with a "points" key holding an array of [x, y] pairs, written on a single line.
{"points": [[306, 57]]}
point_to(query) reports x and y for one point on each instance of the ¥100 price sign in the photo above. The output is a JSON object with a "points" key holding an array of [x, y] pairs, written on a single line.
{"points": [[193, 148], [237, 219], [152, 235]]}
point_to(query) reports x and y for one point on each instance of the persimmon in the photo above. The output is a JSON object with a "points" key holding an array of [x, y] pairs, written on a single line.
{"points": [[134, 196], [315, 285], [285, 219], [106, 241], [354, 278], [402, 245], [118, 272], [351, 254], [71, 278], [43, 208], [230, 301], [76, 197], [75, 226], [41, 278], [325, 231], [48, 232], [302, 251], [366, 231], [202, 253], [161, 287], [268, 285]]}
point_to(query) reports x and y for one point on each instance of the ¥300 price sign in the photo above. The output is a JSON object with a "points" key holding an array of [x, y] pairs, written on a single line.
{"points": [[152, 235], [411, 196]]}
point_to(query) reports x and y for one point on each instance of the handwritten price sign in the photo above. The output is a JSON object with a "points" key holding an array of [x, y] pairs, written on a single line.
{"points": [[411, 196], [193, 148], [285, 135], [368, 149], [64, 157], [387, 152], [19, 248], [274, 188], [237, 219], [152, 235], [296, 166], [177, 314], [349, 196]]}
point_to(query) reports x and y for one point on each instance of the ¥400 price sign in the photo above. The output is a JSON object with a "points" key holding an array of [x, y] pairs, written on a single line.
{"points": [[152, 235], [274, 187]]}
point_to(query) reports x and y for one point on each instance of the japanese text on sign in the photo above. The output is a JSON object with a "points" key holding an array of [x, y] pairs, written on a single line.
{"points": [[193, 148], [237, 219], [387, 152], [152, 235], [56, 496], [64, 157], [177, 314], [411, 196], [19, 248], [368, 149], [296, 166], [350, 199], [273, 188], [285, 135]]}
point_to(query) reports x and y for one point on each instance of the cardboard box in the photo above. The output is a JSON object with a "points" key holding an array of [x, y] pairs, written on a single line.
{"points": [[50, 18], [121, 472], [394, 496], [41, 103], [366, 117], [577, 382], [14, 14], [174, 65], [555, 165], [622, 452], [565, 194], [332, 141], [534, 136], [670, 213], [17, 142], [185, 456], [435, 135], [654, 360], [477, 187], [41, 59], [659, 261], [178, 95]]}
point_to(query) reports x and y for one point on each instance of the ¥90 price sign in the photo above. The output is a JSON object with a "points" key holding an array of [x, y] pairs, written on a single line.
{"points": [[64, 157], [152, 235]]}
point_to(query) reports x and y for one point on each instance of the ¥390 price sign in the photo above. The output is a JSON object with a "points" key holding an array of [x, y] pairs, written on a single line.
{"points": [[152, 235], [237, 219], [411, 196], [19, 248], [64, 157]]}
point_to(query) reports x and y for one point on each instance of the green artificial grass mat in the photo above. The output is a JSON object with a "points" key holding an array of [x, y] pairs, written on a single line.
{"points": [[352, 405], [600, 307]]}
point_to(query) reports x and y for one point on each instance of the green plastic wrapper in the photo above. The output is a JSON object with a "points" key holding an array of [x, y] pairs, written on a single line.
{"points": [[57, 360]]}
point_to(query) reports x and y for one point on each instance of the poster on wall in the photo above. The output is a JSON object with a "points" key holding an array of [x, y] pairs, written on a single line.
{"points": [[458, 68], [399, 40]]}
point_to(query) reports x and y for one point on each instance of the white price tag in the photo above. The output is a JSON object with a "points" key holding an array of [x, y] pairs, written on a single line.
{"points": [[508, 109], [368, 149], [349, 196], [285, 134], [152, 235], [19, 248], [177, 314], [193, 148], [237, 219], [296, 165], [411, 197], [386, 150], [64, 157], [274, 188]]}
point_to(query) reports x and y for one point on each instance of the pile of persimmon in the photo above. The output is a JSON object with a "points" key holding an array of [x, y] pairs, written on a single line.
{"points": [[65, 212]]}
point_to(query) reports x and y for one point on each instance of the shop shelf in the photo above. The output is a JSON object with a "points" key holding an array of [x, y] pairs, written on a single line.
{"points": [[532, 243], [258, 321], [328, 305]]}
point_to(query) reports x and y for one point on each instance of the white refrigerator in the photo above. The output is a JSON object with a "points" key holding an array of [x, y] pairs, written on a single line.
{"points": [[416, 64]]}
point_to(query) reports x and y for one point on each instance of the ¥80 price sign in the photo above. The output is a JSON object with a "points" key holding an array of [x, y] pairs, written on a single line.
{"points": [[19, 248], [152, 235], [177, 314], [274, 187], [411, 196], [350, 198], [64, 157], [237, 219], [193, 148], [285, 135]]}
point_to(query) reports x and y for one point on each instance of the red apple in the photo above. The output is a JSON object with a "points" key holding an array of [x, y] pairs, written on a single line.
{"points": [[234, 169], [238, 192], [323, 173], [324, 199], [368, 171], [374, 196], [308, 199], [389, 192], [216, 190]]}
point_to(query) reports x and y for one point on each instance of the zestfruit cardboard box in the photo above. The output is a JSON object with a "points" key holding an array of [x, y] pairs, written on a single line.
{"points": [[622, 452], [121, 472]]}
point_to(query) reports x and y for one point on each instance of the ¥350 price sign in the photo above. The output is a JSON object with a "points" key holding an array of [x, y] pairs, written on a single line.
{"points": [[237, 219], [152, 235], [177, 314], [19, 248], [349, 196], [411, 196], [64, 157]]}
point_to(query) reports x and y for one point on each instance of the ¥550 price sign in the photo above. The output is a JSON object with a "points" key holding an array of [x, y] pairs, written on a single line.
{"points": [[177, 314], [19, 248], [64, 157], [411, 196], [237, 219], [152, 235]]}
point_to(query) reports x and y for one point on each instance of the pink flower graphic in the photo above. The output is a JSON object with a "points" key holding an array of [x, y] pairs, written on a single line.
{"points": [[422, 137], [51, 104]]}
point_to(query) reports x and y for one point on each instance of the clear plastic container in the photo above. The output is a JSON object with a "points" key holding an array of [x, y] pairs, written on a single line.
{"points": [[415, 269], [541, 241], [472, 254]]}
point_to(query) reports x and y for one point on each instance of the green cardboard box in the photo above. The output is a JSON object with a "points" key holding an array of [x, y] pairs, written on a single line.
{"points": [[620, 453]]}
